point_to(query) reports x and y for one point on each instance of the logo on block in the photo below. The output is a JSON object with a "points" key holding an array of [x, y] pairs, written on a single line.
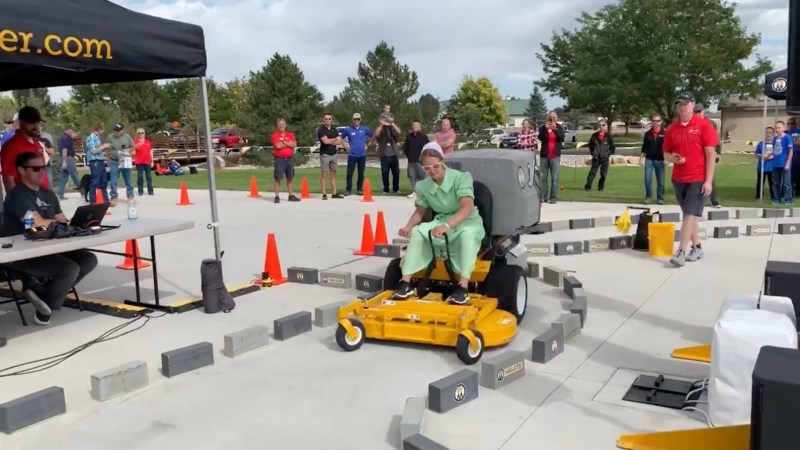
{"points": [[333, 280], [300, 276], [514, 368], [460, 392], [521, 178], [554, 346], [366, 284], [792, 228], [728, 232], [384, 251], [779, 84], [501, 374], [570, 248]]}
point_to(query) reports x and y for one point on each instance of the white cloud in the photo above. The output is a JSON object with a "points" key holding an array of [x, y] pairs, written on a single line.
{"points": [[441, 40]]}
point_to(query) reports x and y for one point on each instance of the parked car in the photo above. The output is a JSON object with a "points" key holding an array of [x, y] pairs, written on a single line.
{"points": [[492, 136], [226, 140], [510, 141]]}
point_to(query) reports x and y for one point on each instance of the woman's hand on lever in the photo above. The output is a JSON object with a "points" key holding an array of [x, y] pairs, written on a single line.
{"points": [[440, 230]]}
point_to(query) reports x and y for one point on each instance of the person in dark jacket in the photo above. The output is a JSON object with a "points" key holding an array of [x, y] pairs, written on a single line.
{"points": [[412, 147], [601, 147], [653, 160], [551, 135]]}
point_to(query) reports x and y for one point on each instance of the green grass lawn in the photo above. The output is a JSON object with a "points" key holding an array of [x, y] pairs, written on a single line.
{"points": [[735, 182]]}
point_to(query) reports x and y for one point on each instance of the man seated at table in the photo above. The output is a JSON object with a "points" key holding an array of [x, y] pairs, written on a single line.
{"points": [[60, 271]]}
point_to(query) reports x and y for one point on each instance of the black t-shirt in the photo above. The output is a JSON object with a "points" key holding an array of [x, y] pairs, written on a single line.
{"points": [[22, 199], [332, 133]]}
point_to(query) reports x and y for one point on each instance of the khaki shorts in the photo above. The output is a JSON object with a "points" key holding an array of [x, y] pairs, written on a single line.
{"points": [[328, 163]]}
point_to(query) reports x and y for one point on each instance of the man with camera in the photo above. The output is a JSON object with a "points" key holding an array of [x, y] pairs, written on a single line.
{"points": [[120, 161], [551, 136]]}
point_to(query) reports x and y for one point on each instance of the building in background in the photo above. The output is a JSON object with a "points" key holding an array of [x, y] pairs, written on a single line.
{"points": [[743, 122]]}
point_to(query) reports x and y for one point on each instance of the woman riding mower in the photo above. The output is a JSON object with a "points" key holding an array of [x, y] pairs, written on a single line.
{"points": [[450, 194]]}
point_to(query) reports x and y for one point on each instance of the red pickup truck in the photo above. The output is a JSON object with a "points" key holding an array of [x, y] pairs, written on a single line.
{"points": [[227, 139]]}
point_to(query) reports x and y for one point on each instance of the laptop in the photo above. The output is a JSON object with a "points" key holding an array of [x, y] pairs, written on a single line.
{"points": [[87, 216]]}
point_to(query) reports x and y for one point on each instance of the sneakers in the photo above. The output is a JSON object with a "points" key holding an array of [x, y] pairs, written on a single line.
{"points": [[695, 254], [337, 195], [38, 303], [679, 259], [459, 296], [41, 319], [404, 290]]}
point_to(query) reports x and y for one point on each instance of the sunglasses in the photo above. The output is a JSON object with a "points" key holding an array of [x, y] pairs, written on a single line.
{"points": [[34, 168], [435, 166]]}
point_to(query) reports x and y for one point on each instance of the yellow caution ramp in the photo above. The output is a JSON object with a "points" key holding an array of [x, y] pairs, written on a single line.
{"points": [[699, 353], [108, 307], [719, 438], [193, 303]]}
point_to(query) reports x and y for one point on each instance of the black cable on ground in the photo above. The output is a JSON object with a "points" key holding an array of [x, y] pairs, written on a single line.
{"points": [[52, 361]]}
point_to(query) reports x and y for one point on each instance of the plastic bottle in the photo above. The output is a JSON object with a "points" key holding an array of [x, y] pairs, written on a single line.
{"points": [[28, 220], [132, 212]]}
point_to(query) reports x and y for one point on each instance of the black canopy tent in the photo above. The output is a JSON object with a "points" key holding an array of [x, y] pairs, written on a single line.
{"points": [[48, 43]]}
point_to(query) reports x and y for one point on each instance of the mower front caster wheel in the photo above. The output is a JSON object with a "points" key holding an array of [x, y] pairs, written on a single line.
{"points": [[464, 349], [346, 342]]}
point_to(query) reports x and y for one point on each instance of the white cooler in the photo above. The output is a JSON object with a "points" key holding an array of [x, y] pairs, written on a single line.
{"points": [[740, 332]]}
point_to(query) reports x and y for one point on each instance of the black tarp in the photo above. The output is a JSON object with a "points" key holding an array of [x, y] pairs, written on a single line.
{"points": [[776, 84], [45, 43]]}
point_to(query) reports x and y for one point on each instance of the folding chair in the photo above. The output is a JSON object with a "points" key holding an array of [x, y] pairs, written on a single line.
{"points": [[17, 297]]}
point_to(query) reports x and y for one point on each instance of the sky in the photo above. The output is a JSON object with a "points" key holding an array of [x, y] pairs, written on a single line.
{"points": [[441, 40]]}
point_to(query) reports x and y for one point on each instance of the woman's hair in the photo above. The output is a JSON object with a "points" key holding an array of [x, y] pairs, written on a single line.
{"points": [[428, 152]]}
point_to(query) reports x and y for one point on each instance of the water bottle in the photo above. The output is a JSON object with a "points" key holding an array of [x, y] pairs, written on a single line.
{"points": [[28, 220], [132, 213]]}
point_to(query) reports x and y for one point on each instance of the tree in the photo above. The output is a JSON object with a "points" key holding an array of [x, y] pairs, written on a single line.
{"points": [[481, 93], [638, 55], [471, 119], [428, 110], [138, 101], [39, 98], [380, 80], [537, 106], [280, 89]]}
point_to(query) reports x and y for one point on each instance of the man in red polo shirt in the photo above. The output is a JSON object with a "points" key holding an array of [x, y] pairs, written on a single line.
{"points": [[283, 144], [690, 144], [26, 139], [551, 135]]}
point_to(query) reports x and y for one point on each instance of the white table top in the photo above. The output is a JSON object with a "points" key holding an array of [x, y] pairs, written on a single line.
{"points": [[130, 229]]}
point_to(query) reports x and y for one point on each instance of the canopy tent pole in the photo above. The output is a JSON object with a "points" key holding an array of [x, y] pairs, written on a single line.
{"points": [[212, 187], [761, 173]]}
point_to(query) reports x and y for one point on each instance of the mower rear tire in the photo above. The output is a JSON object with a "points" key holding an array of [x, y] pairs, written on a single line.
{"points": [[509, 285]]}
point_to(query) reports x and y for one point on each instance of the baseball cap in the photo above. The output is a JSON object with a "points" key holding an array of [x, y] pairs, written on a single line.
{"points": [[29, 114], [434, 146], [685, 97], [699, 107], [118, 127], [356, 116]]}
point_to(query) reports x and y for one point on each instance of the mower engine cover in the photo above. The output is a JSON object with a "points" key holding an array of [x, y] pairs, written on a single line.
{"points": [[511, 177]]}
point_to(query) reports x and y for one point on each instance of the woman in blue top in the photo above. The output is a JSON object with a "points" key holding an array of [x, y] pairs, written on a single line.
{"points": [[765, 147]]}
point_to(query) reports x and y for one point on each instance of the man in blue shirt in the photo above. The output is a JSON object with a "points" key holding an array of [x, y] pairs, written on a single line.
{"points": [[358, 136], [782, 155], [95, 154], [793, 130]]}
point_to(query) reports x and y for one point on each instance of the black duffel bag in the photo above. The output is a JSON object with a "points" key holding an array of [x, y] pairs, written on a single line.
{"points": [[216, 297]]}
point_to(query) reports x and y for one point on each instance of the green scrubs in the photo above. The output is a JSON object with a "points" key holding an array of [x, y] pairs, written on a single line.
{"points": [[465, 239]]}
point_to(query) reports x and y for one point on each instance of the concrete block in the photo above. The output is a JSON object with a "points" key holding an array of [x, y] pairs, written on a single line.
{"points": [[570, 284], [292, 325], [369, 283], [568, 248], [789, 228], [577, 292], [533, 269], [677, 235], [728, 232], [303, 275], [580, 306], [328, 315], [553, 276], [341, 280], [748, 213], [598, 222], [718, 214], [119, 380], [539, 249], [400, 241], [794, 212], [547, 345], [186, 359], [502, 369], [413, 419], [595, 245], [773, 213], [558, 225], [246, 340], [569, 324], [620, 242], [420, 442], [669, 217], [389, 251], [759, 230], [32, 409], [453, 391], [579, 224]]}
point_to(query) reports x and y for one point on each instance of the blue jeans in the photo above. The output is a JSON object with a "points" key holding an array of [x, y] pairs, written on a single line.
{"points": [[650, 166], [142, 172], [126, 175], [98, 180], [64, 174], [352, 163], [550, 169], [390, 164], [782, 185]]}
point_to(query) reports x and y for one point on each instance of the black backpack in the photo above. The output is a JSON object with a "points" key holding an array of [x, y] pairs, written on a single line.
{"points": [[642, 239]]}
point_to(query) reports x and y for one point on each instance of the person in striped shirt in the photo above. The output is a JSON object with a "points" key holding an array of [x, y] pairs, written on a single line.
{"points": [[526, 140]]}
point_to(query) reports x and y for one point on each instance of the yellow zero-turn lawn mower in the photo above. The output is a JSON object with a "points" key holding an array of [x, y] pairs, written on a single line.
{"points": [[498, 285]]}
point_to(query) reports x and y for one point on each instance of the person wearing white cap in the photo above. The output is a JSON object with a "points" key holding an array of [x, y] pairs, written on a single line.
{"points": [[450, 194]]}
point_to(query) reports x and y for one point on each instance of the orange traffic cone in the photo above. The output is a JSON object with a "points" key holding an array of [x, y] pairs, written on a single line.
{"points": [[304, 189], [131, 255], [272, 262], [380, 231], [253, 188], [367, 192], [367, 239], [99, 200], [184, 195]]}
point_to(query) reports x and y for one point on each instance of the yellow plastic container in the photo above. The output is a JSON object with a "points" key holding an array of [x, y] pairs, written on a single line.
{"points": [[662, 238]]}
